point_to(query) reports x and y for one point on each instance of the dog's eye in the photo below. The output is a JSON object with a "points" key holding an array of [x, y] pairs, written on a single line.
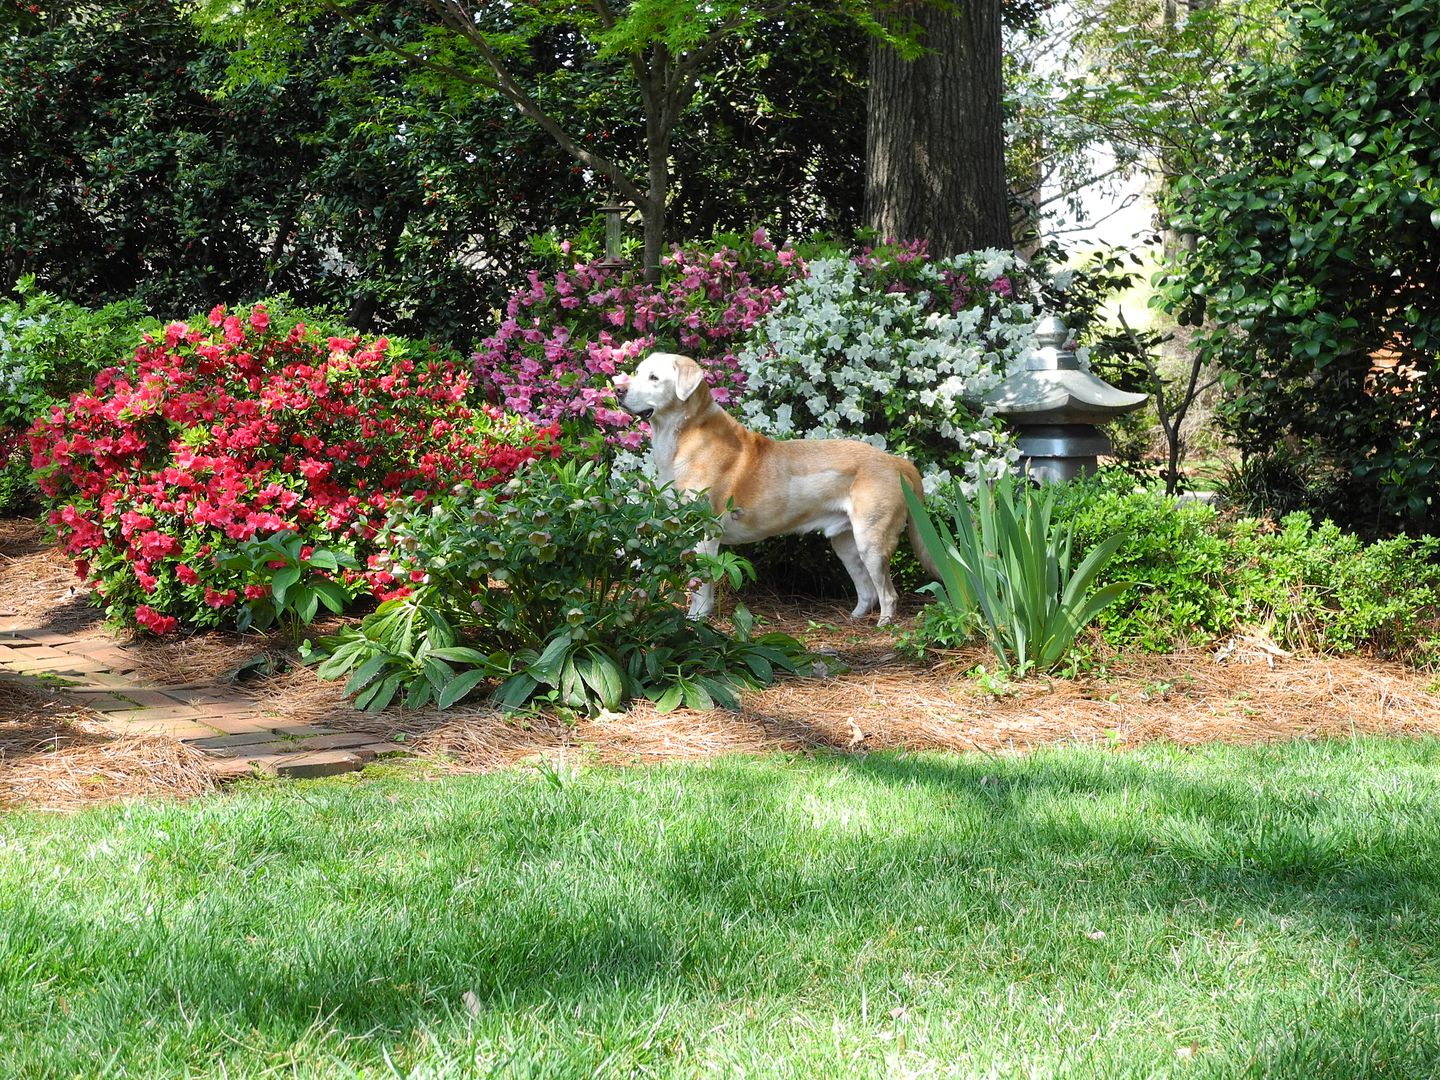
{"points": [[654, 377]]}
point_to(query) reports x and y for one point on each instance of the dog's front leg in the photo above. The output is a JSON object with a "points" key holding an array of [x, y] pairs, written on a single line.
{"points": [[702, 600]]}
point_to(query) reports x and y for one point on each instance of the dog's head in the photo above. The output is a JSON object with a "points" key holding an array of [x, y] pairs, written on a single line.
{"points": [[662, 381]]}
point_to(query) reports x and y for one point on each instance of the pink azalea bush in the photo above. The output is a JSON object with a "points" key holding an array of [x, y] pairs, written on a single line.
{"points": [[566, 336], [217, 435]]}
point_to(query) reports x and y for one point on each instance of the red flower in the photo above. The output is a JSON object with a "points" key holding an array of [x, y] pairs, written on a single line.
{"points": [[153, 621]]}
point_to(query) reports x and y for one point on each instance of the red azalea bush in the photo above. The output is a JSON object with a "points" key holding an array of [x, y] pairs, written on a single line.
{"points": [[565, 337], [227, 434]]}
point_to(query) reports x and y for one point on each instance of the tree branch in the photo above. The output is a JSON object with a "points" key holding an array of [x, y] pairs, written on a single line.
{"points": [[456, 15]]}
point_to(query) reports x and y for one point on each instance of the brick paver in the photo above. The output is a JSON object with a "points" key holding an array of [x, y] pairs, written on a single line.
{"points": [[237, 733]]}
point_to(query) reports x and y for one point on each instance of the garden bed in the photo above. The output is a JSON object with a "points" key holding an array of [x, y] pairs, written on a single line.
{"points": [[1247, 691]]}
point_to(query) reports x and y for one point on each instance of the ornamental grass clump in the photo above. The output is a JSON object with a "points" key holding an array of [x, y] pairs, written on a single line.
{"points": [[1007, 561], [217, 436]]}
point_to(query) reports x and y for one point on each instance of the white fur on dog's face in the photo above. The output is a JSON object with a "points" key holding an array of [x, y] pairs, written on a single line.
{"points": [[659, 382]]}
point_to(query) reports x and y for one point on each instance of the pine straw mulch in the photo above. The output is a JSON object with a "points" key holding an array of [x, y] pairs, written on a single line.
{"points": [[1248, 691], [37, 581], [1245, 692], [55, 756]]}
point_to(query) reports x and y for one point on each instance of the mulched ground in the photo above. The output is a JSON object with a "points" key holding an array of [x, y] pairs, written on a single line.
{"points": [[1244, 691]]}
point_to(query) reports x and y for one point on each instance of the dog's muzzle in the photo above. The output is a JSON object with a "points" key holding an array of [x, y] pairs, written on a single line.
{"points": [[639, 414]]}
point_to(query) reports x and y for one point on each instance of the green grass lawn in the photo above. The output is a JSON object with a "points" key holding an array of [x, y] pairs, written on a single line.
{"points": [[1221, 912]]}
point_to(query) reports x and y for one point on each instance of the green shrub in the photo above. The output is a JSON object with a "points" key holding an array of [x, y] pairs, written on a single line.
{"points": [[1315, 215], [1312, 586], [238, 427], [1320, 587], [566, 590], [49, 349], [1171, 548]]}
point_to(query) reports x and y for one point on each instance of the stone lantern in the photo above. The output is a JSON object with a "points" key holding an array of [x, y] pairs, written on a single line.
{"points": [[1056, 407], [614, 212]]}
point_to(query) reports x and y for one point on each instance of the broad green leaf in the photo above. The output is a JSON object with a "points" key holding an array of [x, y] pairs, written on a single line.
{"points": [[463, 683], [366, 672], [669, 701], [515, 691], [285, 577]]}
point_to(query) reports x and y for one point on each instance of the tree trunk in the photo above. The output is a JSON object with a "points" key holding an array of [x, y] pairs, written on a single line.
{"points": [[659, 135], [935, 141]]}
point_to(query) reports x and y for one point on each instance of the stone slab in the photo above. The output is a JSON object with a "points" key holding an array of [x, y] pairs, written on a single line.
{"points": [[56, 665], [179, 712], [239, 708], [100, 700], [145, 699], [212, 695], [112, 658], [308, 766], [48, 637], [231, 768], [241, 725], [99, 680], [41, 654], [218, 743], [183, 730], [302, 730]]}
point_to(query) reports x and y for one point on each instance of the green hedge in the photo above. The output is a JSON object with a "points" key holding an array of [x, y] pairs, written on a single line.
{"points": [[1312, 586]]}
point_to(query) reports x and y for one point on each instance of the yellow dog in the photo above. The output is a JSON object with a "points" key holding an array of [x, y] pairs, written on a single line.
{"points": [[847, 489]]}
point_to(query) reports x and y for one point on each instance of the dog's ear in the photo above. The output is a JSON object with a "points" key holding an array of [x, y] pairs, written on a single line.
{"points": [[688, 377]]}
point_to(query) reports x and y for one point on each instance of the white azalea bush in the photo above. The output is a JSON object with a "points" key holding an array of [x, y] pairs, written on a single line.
{"points": [[895, 348]]}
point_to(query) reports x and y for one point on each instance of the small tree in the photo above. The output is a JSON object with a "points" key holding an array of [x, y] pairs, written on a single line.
{"points": [[1317, 228]]}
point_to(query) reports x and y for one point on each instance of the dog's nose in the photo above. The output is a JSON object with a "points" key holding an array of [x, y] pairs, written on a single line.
{"points": [[622, 383]]}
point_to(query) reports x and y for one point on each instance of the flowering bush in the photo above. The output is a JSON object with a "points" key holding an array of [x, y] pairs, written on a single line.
{"points": [[888, 347], [565, 337], [49, 348], [239, 429]]}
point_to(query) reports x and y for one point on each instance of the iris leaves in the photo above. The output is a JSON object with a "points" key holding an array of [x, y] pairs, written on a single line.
{"points": [[1005, 561]]}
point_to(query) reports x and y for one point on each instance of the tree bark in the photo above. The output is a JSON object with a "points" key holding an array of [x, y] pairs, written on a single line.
{"points": [[935, 141]]}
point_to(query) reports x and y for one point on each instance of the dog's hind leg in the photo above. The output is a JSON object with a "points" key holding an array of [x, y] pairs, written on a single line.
{"points": [[875, 556], [844, 545]]}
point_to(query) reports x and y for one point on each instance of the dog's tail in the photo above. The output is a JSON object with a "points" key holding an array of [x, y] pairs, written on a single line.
{"points": [[911, 477]]}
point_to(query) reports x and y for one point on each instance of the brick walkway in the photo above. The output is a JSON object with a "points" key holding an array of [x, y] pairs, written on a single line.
{"points": [[96, 672]]}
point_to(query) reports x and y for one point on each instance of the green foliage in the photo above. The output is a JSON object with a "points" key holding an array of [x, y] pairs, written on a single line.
{"points": [[566, 590], [740, 101], [285, 579], [1317, 226], [1005, 557], [130, 175], [1310, 586], [49, 349], [1317, 586], [1173, 549]]}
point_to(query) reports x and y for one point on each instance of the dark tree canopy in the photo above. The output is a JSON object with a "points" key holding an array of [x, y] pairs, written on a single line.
{"points": [[131, 163]]}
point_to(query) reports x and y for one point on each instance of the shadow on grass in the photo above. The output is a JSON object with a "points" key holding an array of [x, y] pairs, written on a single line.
{"points": [[380, 911]]}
